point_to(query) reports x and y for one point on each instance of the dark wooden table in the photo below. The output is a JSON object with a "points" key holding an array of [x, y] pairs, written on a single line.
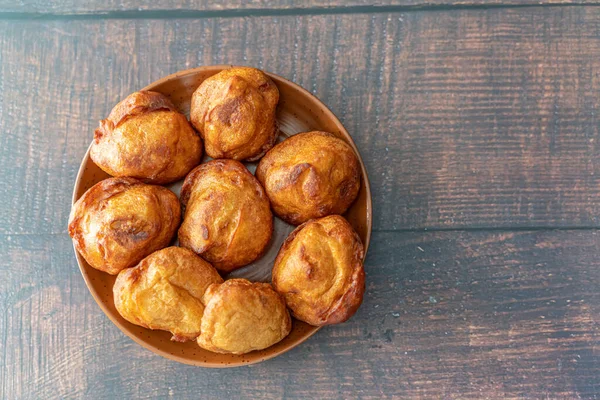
{"points": [[479, 124]]}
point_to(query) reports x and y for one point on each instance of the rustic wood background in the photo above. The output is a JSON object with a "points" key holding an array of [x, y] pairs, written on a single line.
{"points": [[479, 124]]}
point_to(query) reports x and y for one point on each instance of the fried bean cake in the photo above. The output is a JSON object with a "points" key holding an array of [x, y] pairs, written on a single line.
{"points": [[164, 291], [119, 221], [241, 316], [310, 175], [228, 219], [145, 137], [319, 271], [234, 111]]}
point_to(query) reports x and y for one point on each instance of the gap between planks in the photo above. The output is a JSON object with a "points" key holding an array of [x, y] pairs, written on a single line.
{"points": [[267, 12]]}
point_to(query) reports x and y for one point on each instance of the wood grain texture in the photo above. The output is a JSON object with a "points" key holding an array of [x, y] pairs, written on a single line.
{"points": [[470, 118], [475, 119], [452, 315], [135, 8]]}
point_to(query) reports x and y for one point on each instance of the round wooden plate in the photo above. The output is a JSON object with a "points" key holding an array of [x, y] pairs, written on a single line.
{"points": [[298, 111]]}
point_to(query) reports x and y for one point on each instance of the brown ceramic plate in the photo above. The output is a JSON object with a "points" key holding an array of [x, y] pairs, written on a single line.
{"points": [[298, 111]]}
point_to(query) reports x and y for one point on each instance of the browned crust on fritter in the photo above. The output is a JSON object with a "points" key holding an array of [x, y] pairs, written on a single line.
{"points": [[251, 202], [135, 104], [268, 144], [234, 111], [348, 301], [227, 304], [145, 137], [139, 292], [304, 188], [124, 231]]}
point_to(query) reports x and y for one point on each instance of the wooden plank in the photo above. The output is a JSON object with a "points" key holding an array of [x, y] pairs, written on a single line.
{"points": [[182, 8], [446, 315], [468, 118]]}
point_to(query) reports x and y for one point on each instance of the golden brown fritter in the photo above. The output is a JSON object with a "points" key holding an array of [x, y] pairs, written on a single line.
{"points": [[164, 291], [119, 221], [241, 316], [145, 137], [310, 175], [319, 271], [234, 111], [227, 220]]}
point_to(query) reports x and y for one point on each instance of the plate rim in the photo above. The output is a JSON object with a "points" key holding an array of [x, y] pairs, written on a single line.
{"points": [[210, 364]]}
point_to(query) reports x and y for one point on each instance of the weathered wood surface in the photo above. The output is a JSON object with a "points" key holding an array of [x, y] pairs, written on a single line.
{"points": [[465, 118], [468, 120], [446, 315], [207, 8]]}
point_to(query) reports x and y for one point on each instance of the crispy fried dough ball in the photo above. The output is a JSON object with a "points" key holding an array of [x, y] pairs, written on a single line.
{"points": [[227, 220], [119, 221], [310, 175], [234, 111], [319, 271], [164, 291], [241, 316], [145, 137]]}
